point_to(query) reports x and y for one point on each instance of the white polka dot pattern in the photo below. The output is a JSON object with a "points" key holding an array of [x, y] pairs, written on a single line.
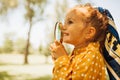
{"points": [[87, 64]]}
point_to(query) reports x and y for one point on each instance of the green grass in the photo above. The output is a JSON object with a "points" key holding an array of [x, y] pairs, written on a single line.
{"points": [[47, 77], [5, 76]]}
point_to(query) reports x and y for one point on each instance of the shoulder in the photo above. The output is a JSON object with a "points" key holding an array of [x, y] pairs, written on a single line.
{"points": [[91, 51]]}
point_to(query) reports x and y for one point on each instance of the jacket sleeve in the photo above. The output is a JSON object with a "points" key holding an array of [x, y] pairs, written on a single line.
{"points": [[62, 68]]}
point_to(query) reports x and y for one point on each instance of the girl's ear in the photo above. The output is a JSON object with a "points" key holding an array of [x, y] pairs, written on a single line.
{"points": [[90, 33]]}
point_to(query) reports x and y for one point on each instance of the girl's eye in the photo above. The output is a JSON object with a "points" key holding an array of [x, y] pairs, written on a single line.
{"points": [[70, 22]]}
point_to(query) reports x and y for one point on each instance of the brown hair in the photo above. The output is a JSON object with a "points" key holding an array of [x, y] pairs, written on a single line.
{"points": [[97, 20]]}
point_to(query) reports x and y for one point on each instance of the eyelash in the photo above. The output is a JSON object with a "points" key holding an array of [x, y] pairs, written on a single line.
{"points": [[70, 22]]}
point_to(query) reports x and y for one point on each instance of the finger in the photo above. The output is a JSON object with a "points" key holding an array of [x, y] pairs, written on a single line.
{"points": [[53, 58], [61, 26], [52, 46], [51, 49], [57, 43], [52, 55]]}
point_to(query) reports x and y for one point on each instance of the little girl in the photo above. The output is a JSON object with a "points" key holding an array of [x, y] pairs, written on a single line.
{"points": [[85, 28]]}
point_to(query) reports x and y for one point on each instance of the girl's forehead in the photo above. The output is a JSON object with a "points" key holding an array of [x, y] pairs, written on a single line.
{"points": [[75, 13]]}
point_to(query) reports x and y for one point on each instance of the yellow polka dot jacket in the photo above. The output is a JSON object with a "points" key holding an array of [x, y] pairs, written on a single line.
{"points": [[83, 64]]}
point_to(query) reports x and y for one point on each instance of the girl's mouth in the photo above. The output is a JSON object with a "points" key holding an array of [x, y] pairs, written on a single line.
{"points": [[65, 34]]}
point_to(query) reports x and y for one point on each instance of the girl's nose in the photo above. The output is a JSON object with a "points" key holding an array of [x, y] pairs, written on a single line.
{"points": [[62, 27]]}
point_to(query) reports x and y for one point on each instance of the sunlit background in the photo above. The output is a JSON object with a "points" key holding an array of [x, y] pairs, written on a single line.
{"points": [[26, 30]]}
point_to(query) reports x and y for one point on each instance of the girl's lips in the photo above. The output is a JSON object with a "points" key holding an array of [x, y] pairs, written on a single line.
{"points": [[65, 34]]}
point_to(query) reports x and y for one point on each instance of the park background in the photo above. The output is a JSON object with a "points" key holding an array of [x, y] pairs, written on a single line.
{"points": [[26, 30]]}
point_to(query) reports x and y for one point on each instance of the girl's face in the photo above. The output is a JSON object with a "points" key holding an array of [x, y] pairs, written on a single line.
{"points": [[74, 29]]}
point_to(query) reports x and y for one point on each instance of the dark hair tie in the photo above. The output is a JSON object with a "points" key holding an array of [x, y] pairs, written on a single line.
{"points": [[105, 11], [111, 43], [111, 28]]}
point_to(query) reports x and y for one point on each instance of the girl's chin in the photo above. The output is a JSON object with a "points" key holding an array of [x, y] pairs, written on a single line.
{"points": [[69, 41], [66, 41]]}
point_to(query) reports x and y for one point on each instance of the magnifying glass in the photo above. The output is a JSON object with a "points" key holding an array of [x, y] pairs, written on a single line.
{"points": [[57, 32]]}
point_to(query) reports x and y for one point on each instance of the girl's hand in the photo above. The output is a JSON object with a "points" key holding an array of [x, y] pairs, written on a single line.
{"points": [[57, 50]]}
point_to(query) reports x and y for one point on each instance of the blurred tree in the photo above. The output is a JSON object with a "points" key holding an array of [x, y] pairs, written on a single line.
{"points": [[44, 50], [32, 7], [20, 46], [5, 5], [40, 48]]}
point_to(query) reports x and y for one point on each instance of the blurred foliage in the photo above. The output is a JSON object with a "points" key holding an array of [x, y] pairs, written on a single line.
{"points": [[35, 1], [7, 46], [30, 13], [31, 10], [61, 8], [7, 4], [5, 76], [33, 7], [78, 1], [44, 50], [1, 49], [46, 77], [19, 45]]}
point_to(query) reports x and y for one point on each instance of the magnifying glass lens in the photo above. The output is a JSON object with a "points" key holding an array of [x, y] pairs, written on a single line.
{"points": [[57, 31]]}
